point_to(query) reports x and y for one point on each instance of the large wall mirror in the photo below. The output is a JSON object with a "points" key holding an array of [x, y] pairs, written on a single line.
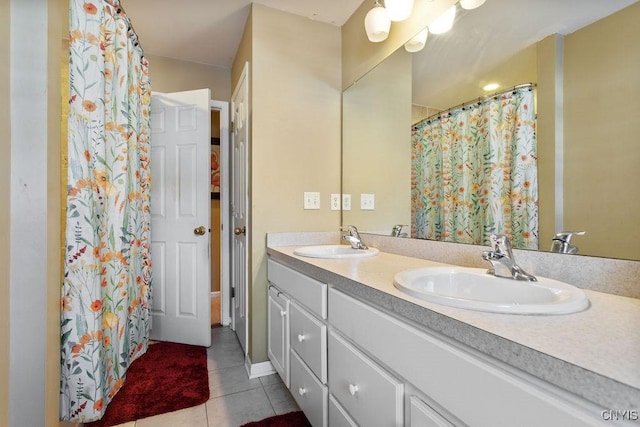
{"points": [[583, 57]]}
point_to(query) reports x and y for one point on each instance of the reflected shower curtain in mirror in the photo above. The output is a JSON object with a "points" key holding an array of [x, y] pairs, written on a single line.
{"points": [[474, 172], [105, 318]]}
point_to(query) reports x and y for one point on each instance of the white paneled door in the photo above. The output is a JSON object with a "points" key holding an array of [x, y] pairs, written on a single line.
{"points": [[239, 204], [181, 216]]}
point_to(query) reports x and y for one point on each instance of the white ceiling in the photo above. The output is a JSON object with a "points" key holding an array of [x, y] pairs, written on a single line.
{"points": [[482, 38], [209, 31]]}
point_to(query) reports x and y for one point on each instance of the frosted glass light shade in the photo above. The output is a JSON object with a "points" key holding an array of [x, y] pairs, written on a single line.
{"points": [[471, 4], [417, 43], [377, 24], [399, 10], [444, 22]]}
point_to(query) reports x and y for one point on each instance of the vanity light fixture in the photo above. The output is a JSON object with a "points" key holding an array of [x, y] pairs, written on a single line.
{"points": [[399, 10], [491, 86], [444, 22], [417, 42], [377, 23], [471, 4]]}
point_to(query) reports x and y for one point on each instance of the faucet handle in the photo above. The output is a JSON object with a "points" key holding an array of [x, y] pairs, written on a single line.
{"points": [[561, 242], [397, 230], [351, 229], [566, 236], [501, 244]]}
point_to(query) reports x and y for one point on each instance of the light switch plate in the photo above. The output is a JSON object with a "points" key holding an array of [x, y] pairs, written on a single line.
{"points": [[346, 202], [367, 202], [311, 200], [335, 202]]}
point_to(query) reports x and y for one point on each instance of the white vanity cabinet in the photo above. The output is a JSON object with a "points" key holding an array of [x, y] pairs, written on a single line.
{"points": [[473, 388], [306, 341], [353, 364]]}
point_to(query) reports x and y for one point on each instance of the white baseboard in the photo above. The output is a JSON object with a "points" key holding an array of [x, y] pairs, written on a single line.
{"points": [[256, 370]]}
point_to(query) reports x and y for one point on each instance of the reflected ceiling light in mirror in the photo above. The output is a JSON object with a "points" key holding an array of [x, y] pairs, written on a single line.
{"points": [[417, 43], [444, 22], [377, 23], [471, 4], [490, 86], [399, 10]]}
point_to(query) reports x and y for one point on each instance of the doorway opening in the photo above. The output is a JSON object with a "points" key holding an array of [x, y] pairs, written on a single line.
{"points": [[219, 249]]}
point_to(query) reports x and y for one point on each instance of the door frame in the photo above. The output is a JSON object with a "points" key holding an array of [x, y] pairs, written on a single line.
{"points": [[225, 219]]}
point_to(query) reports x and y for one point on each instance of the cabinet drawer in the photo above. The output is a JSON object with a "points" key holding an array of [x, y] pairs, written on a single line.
{"points": [[311, 396], [471, 386], [309, 340], [309, 292], [422, 415], [371, 395], [338, 417]]}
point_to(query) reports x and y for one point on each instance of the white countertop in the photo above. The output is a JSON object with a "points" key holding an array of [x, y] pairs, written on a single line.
{"points": [[594, 353]]}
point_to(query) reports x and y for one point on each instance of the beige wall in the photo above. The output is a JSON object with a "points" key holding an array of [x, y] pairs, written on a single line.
{"points": [[5, 169], [244, 55], [377, 145], [601, 148], [172, 75], [359, 55], [295, 137]]}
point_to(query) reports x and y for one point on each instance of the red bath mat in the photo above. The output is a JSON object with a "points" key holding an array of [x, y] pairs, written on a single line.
{"points": [[166, 378]]}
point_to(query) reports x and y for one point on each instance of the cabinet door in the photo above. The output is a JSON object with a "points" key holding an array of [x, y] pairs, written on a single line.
{"points": [[338, 417], [371, 395], [278, 332], [422, 415], [309, 340], [309, 393]]}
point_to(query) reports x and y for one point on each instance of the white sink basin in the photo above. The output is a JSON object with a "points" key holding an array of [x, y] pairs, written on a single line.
{"points": [[474, 289], [334, 251]]}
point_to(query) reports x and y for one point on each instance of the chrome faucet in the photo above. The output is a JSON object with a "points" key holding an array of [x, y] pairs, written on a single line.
{"points": [[561, 242], [353, 237], [396, 231], [502, 260]]}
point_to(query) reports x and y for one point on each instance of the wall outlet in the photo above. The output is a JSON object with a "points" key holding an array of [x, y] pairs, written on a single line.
{"points": [[346, 202], [335, 202], [367, 202], [311, 200]]}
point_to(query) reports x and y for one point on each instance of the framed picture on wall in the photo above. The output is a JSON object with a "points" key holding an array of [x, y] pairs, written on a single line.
{"points": [[215, 168]]}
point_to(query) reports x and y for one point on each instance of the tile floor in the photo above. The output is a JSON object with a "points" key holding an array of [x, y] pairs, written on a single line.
{"points": [[234, 399]]}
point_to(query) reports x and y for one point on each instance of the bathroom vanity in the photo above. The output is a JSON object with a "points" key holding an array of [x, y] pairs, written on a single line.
{"points": [[354, 350]]}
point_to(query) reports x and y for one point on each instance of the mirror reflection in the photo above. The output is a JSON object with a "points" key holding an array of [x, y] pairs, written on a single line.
{"points": [[583, 62]]}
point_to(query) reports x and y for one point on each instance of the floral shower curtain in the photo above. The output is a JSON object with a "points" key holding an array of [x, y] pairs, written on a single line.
{"points": [[105, 318], [474, 172]]}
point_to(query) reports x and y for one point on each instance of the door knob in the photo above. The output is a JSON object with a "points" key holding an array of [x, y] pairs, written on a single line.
{"points": [[238, 231], [199, 231]]}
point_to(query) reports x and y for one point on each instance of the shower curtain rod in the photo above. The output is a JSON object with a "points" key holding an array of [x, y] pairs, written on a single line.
{"points": [[130, 30], [478, 100]]}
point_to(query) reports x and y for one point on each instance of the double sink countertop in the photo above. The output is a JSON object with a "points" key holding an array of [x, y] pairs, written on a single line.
{"points": [[594, 354]]}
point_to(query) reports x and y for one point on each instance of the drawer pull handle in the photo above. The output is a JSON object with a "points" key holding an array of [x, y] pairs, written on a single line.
{"points": [[302, 391], [353, 389], [301, 337], [283, 313]]}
